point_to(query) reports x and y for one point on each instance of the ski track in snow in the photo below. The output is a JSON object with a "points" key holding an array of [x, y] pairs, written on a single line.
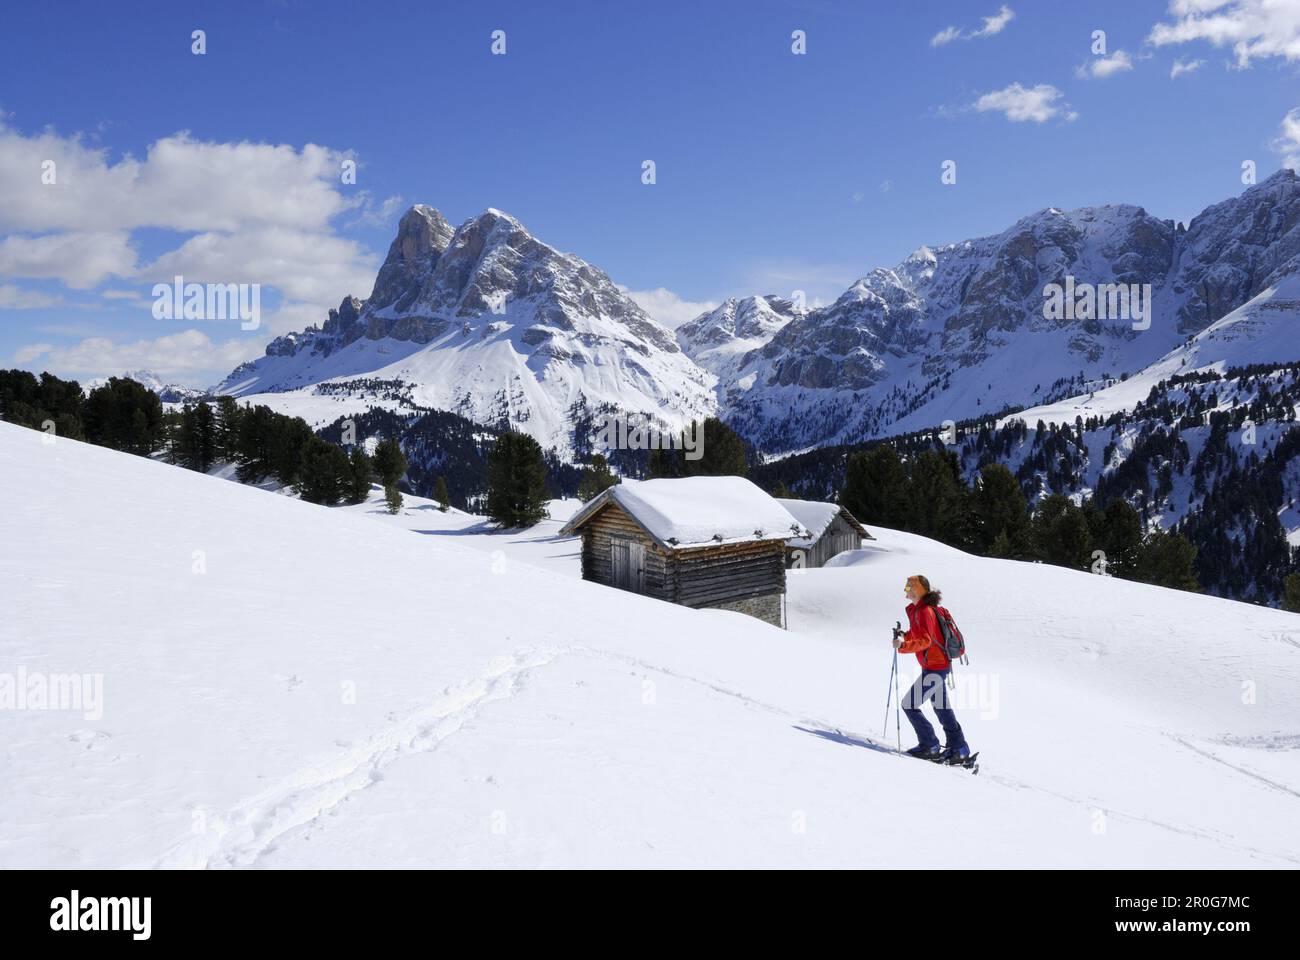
{"points": [[252, 827], [1242, 770], [823, 727]]}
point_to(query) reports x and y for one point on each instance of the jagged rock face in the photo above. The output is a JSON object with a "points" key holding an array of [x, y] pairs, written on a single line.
{"points": [[491, 323], [841, 345], [1237, 248], [422, 235], [958, 330]]}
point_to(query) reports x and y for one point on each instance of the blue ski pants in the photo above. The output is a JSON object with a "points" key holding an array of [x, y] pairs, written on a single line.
{"points": [[930, 685]]}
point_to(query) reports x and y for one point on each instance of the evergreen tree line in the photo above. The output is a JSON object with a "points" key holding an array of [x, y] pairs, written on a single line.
{"points": [[265, 445], [124, 415], [992, 517], [1238, 482], [120, 414], [445, 452]]}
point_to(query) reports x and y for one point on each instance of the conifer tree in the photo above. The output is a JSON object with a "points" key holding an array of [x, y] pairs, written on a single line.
{"points": [[324, 476], [227, 429], [389, 462], [875, 488], [1000, 510], [360, 470], [516, 495], [393, 499], [595, 478], [1291, 593]]}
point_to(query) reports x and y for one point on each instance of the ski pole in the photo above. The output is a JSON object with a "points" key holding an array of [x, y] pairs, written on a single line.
{"points": [[898, 706], [888, 694], [893, 679]]}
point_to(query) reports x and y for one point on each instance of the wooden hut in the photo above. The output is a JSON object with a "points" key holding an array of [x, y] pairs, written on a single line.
{"points": [[831, 529], [698, 541]]}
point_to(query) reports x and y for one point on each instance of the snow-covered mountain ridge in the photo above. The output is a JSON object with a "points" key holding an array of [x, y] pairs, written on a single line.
{"points": [[488, 322], [960, 330]]}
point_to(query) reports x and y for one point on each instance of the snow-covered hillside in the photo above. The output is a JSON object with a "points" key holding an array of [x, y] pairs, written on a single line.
{"points": [[1264, 330], [287, 685]]}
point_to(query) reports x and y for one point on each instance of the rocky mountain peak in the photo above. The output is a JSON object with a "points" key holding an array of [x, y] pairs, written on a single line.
{"points": [[422, 235]]}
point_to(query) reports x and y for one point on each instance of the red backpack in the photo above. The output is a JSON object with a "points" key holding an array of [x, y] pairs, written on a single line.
{"points": [[954, 644]]}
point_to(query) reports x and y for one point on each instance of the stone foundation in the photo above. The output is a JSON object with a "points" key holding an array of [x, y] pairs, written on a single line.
{"points": [[766, 608]]}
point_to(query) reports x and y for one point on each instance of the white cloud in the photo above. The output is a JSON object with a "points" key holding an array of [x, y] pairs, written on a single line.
{"points": [[1254, 29], [302, 265], [80, 260], [382, 214], [14, 297], [1288, 140], [182, 184], [945, 36], [1182, 67], [1018, 104], [246, 213], [189, 356], [667, 307], [992, 25], [1102, 67]]}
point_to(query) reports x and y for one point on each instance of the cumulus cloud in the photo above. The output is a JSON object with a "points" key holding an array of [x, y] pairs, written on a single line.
{"points": [[239, 212], [1288, 140], [79, 259], [1021, 104], [1253, 29], [1183, 67], [667, 307], [189, 356], [231, 202], [182, 184], [1102, 67], [300, 264], [991, 25], [14, 297]]}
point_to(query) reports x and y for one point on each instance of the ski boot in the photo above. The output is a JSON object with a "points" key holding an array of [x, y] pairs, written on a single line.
{"points": [[922, 752]]}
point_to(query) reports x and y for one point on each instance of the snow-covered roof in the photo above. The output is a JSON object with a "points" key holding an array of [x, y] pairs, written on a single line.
{"points": [[696, 511], [815, 517]]}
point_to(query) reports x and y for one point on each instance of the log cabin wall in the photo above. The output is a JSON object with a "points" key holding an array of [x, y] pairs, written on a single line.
{"points": [[711, 576], [839, 536], [749, 577], [598, 536]]}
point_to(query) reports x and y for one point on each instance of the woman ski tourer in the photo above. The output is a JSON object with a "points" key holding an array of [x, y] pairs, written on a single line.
{"points": [[924, 639]]}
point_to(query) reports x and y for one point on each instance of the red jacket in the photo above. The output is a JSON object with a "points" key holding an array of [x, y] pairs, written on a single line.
{"points": [[923, 637]]}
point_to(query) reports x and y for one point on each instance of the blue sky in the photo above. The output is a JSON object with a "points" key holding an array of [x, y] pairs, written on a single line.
{"points": [[775, 171]]}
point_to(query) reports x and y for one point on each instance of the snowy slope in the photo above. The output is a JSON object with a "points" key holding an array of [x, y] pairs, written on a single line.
{"points": [[335, 690], [1265, 330], [721, 339]]}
